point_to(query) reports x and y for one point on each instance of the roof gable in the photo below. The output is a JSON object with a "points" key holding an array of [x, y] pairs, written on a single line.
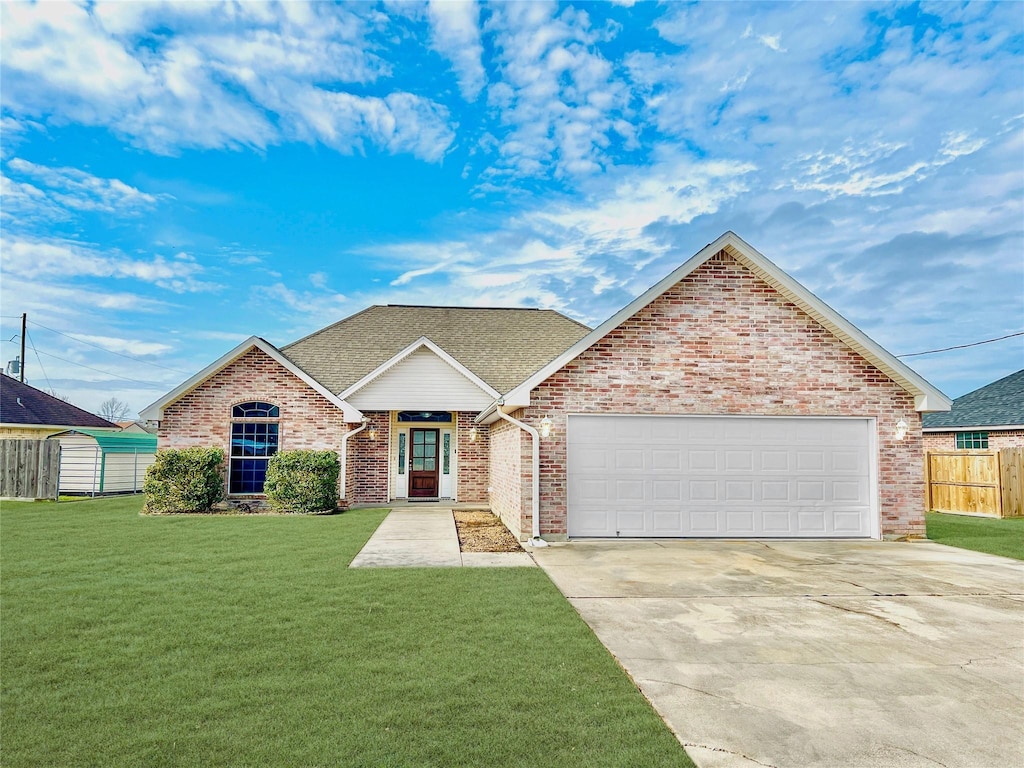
{"points": [[999, 404], [500, 347], [154, 411], [24, 405], [926, 397], [420, 377]]}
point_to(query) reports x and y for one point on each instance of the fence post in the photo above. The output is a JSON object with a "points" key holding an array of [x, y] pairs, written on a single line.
{"points": [[135, 473]]}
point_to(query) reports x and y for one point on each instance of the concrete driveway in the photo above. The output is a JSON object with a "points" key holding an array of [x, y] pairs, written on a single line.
{"points": [[813, 653]]}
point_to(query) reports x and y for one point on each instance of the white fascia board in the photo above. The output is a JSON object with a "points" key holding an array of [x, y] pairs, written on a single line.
{"points": [[422, 341], [977, 428], [155, 411], [926, 396]]}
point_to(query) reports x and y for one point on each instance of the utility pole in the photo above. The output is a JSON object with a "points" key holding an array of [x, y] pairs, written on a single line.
{"points": [[24, 320]]}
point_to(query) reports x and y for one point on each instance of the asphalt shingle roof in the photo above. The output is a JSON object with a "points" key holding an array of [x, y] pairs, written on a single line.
{"points": [[24, 404], [998, 404], [501, 346]]}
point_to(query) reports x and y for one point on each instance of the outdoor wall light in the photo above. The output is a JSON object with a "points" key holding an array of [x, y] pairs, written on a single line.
{"points": [[545, 426], [472, 435], [901, 429], [372, 434]]}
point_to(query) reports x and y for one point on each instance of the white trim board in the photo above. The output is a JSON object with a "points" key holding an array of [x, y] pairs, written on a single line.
{"points": [[926, 396], [155, 411]]}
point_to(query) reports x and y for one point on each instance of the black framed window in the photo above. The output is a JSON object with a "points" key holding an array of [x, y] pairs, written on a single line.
{"points": [[252, 444], [966, 441], [444, 417]]}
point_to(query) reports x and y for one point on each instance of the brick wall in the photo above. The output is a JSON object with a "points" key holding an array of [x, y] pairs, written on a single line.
{"points": [[510, 477], [721, 341], [946, 441], [367, 476], [474, 459], [203, 416]]}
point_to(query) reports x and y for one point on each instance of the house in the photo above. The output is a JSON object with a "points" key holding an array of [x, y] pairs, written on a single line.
{"points": [[990, 417], [30, 414], [725, 401], [96, 461], [136, 427]]}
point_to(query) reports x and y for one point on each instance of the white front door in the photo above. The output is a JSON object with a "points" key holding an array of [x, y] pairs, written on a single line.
{"points": [[721, 476]]}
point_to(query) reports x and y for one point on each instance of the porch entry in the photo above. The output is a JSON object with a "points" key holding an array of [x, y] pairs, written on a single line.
{"points": [[423, 455], [423, 467]]}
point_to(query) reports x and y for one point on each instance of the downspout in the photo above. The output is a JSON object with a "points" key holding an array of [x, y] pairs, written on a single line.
{"points": [[344, 453], [536, 540]]}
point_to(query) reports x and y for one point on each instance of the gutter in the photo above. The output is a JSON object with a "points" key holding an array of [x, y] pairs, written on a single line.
{"points": [[974, 428], [536, 540], [344, 452]]}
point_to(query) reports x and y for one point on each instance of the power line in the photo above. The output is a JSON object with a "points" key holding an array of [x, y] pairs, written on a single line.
{"points": [[29, 339], [963, 346], [107, 373], [110, 351]]}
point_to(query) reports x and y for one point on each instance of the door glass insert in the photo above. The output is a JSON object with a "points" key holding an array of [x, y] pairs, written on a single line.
{"points": [[401, 453], [446, 465]]}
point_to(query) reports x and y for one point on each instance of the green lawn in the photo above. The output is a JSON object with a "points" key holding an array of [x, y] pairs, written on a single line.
{"points": [[983, 534], [159, 641]]}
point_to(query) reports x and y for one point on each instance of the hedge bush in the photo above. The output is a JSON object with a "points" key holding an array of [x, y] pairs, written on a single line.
{"points": [[303, 482], [184, 480]]}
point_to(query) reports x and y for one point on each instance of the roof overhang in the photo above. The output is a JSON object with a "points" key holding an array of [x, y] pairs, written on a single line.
{"points": [[926, 396], [155, 411], [63, 427], [421, 342]]}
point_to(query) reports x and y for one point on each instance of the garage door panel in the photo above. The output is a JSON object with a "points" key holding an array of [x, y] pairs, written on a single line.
{"points": [[719, 476]]}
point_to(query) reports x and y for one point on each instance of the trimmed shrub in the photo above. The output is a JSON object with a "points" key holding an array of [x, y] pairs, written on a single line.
{"points": [[184, 480], [303, 482]]}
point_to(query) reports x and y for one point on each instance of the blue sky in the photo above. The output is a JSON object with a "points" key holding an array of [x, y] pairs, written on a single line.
{"points": [[179, 176]]}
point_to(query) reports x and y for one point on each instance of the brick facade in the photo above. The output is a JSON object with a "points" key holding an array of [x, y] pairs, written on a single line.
{"points": [[946, 441], [203, 416], [367, 471], [721, 341], [510, 477], [473, 459]]}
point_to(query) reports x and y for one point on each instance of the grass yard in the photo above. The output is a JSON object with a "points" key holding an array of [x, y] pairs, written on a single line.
{"points": [[170, 641], [996, 536]]}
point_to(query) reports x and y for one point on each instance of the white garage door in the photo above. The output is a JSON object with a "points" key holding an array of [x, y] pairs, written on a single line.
{"points": [[720, 476]]}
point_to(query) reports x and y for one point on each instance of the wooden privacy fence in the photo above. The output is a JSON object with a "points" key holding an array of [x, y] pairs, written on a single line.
{"points": [[976, 482], [29, 469]]}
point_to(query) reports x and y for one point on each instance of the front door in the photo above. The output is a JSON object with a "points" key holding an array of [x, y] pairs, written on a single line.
{"points": [[423, 472]]}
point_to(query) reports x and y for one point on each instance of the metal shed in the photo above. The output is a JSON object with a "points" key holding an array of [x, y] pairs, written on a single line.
{"points": [[95, 461]]}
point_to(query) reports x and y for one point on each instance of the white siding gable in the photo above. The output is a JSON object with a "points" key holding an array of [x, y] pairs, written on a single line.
{"points": [[420, 382]]}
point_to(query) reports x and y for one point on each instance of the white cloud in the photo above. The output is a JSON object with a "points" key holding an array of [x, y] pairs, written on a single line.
{"points": [[455, 34], [558, 97], [126, 346], [75, 189], [231, 76], [27, 257]]}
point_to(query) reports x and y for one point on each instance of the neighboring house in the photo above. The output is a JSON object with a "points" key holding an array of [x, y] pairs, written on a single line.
{"points": [[136, 427], [990, 417], [726, 401], [31, 414]]}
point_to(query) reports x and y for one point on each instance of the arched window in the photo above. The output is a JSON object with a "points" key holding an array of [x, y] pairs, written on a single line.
{"points": [[254, 439]]}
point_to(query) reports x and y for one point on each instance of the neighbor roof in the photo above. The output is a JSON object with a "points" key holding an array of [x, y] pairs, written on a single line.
{"points": [[25, 405], [999, 404], [115, 442], [501, 346]]}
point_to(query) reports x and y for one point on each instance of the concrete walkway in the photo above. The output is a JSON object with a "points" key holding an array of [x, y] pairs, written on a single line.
{"points": [[427, 538]]}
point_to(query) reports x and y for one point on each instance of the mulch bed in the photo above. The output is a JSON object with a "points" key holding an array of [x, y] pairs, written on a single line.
{"points": [[484, 532]]}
